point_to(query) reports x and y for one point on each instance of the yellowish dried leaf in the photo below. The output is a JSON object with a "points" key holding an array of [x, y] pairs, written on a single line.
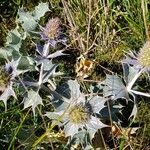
{"points": [[84, 67]]}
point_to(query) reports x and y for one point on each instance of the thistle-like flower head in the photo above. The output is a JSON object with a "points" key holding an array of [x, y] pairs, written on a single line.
{"points": [[144, 55], [52, 32], [4, 79], [79, 112], [52, 29], [7, 73], [140, 60]]}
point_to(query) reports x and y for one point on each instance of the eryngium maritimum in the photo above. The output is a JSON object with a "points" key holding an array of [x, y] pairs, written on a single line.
{"points": [[140, 60], [4, 79], [52, 32], [144, 55], [7, 73], [10, 72], [79, 112]]}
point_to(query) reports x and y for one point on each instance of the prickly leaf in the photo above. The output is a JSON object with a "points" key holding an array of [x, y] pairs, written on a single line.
{"points": [[115, 87], [33, 99]]}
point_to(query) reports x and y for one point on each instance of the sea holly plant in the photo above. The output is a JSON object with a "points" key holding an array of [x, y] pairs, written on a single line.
{"points": [[29, 20], [41, 62], [52, 32], [115, 88], [13, 44], [7, 75], [78, 112], [140, 62], [47, 71], [118, 87]]}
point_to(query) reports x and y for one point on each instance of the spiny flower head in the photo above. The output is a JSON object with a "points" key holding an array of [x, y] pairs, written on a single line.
{"points": [[52, 29], [79, 114], [7, 74], [140, 60], [4, 79], [144, 55], [78, 111], [52, 32]]}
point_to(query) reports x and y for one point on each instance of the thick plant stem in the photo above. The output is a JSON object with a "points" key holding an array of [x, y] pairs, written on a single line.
{"points": [[133, 80], [45, 53], [41, 75], [140, 93]]}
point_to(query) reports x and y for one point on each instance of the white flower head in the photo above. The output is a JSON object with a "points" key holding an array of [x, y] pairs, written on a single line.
{"points": [[79, 112], [7, 74], [140, 60], [144, 56]]}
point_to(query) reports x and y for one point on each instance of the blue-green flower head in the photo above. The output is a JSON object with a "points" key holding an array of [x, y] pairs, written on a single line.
{"points": [[79, 112]]}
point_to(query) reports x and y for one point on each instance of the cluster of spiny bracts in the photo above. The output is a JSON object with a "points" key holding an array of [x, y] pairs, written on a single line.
{"points": [[80, 115]]}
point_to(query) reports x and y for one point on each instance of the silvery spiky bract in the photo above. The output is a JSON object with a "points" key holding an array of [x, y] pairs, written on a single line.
{"points": [[140, 60], [117, 87], [45, 59], [44, 51], [52, 32], [78, 112], [10, 71]]}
